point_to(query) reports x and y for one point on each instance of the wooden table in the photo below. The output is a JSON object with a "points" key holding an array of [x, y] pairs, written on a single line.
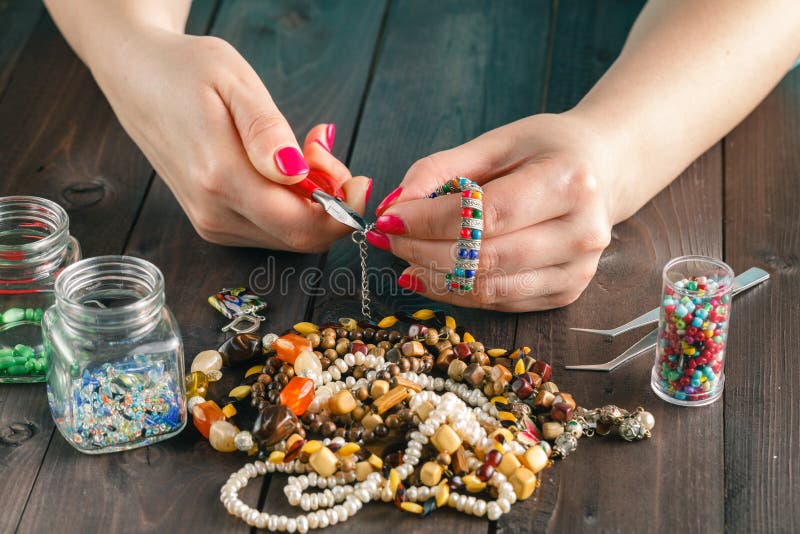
{"points": [[401, 79]]}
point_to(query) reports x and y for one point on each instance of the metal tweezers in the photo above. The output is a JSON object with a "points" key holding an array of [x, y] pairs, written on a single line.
{"points": [[750, 278]]}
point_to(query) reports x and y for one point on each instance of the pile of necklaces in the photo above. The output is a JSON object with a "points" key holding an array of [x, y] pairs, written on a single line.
{"points": [[411, 410]]}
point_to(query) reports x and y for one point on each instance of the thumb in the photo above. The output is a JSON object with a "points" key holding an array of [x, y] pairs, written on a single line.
{"points": [[356, 191], [266, 136]]}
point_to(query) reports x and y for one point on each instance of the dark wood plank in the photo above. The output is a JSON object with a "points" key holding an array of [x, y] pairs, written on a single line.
{"points": [[762, 460], [483, 67], [330, 49], [608, 485], [17, 20]]}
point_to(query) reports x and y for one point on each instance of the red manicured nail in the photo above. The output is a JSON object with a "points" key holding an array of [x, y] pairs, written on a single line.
{"points": [[411, 282], [390, 224], [290, 161], [378, 239], [330, 135], [320, 143], [386, 202], [369, 192]]}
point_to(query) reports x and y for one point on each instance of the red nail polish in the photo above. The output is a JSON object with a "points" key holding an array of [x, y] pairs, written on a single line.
{"points": [[330, 135], [411, 282], [390, 224], [290, 161], [386, 202], [369, 192], [378, 239], [320, 143]]}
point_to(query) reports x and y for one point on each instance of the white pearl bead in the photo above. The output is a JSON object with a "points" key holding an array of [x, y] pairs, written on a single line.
{"points": [[291, 525], [302, 524]]}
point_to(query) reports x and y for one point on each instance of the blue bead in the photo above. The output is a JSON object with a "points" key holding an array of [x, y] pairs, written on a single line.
{"points": [[476, 234], [473, 254], [463, 181], [458, 272], [697, 322], [695, 383], [469, 273], [680, 395], [463, 253], [681, 311]]}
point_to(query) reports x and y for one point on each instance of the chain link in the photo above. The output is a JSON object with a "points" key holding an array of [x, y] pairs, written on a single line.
{"points": [[359, 237]]}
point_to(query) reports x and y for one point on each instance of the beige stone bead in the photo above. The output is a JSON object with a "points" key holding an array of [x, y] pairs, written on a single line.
{"points": [[342, 403], [446, 439], [535, 459], [424, 409], [307, 361], [552, 429], [324, 462], [431, 473], [508, 464], [363, 469], [209, 362], [221, 436], [524, 482], [371, 420], [456, 370], [379, 387], [543, 399]]}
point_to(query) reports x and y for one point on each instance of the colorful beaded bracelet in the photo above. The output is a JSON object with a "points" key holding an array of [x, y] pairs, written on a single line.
{"points": [[469, 239]]}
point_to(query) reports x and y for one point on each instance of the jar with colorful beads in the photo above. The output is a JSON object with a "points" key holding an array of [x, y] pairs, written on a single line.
{"points": [[35, 245], [693, 331], [116, 371]]}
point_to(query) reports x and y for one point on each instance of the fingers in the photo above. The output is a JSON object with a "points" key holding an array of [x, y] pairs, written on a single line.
{"points": [[321, 160], [530, 195], [267, 137], [322, 134]]}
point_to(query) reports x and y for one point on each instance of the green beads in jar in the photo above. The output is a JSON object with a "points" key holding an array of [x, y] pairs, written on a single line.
{"points": [[21, 360]]}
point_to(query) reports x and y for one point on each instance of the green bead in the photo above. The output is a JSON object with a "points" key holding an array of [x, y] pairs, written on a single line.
{"points": [[41, 365], [20, 360], [446, 188], [29, 314], [477, 214], [24, 350], [18, 370], [30, 365], [466, 287], [12, 315], [37, 314], [6, 352], [6, 361]]}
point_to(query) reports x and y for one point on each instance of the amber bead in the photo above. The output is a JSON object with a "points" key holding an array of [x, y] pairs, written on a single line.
{"points": [[298, 394], [204, 415], [493, 457], [289, 346], [241, 348], [542, 369], [221, 435], [485, 471], [273, 424], [196, 384]]}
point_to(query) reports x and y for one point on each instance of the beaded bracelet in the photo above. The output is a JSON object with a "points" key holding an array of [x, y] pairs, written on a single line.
{"points": [[462, 278]]}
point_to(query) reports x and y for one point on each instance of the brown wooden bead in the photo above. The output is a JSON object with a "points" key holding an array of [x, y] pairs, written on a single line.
{"points": [[459, 464], [443, 360], [567, 399], [543, 399], [561, 411], [474, 374], [413, 348]]}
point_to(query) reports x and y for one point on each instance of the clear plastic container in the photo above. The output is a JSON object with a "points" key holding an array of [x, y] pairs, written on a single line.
{"points": [[693, 331], [115, 380], [35, 246]]}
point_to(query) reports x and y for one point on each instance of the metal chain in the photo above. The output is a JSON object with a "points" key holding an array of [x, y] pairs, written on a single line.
{"points": [[359, 237]]}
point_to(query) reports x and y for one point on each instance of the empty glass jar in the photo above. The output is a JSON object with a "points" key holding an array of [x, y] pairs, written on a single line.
{"points": [[116, 371], [35, 246]]}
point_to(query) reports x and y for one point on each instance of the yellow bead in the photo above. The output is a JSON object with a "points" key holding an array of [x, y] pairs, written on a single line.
{"points": [[446, 439], [506, 416], [348, 323], [229, 410], [342, 403], [508, 464], [276, 457], [423, 315], [196, 385], [472, 483], [379, 387], [394, 480], [494, 353], [375, 461], [291, 440], [524, 482], [306, 328], [535, 459], [387, 322], [449, 322], [468, 338], [240, 392], [519, 367], [442, 494], [312, 446], [363, 469], [256, 369], [412, 507], [431, 473], [324, 462], [348, 448], [506, 433]]}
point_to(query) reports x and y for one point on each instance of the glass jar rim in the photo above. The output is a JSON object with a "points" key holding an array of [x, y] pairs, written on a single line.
{"points": [[57, 218], [719, 264], [74, 278]]}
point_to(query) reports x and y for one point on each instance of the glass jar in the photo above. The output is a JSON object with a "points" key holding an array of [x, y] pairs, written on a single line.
{"points": [[693, 331], [35, 246], [115, 380]]}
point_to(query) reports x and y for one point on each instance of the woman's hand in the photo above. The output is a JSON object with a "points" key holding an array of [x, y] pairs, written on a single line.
{"points": [[548, 207], [208, 125]]}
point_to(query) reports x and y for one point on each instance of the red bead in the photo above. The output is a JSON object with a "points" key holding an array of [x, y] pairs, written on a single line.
{"points": [[669, 309], [542, 369], [485, 472], [561, 411], [289, 346], [493, 457], [298, 394], [466, 194], [454, 285], [466, 233], [466, 212], [205, 414], [462, 351]]}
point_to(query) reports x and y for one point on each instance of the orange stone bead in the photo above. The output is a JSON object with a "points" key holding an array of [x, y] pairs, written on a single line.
{"points": [[289, 346], [298, 394], [205, 414]]}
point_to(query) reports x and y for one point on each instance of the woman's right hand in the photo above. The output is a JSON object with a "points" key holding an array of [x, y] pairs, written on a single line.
{"points": [[209, 127]]}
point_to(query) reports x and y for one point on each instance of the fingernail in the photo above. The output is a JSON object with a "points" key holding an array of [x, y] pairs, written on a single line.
{"points": [[290, 161], [378, 239], [320, 143], [411, 282], [330, 135], [386, 202], [369, 192], [390, 224]]}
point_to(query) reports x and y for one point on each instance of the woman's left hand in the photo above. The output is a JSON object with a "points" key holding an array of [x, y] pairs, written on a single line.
{"points": [[549, 203]]}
